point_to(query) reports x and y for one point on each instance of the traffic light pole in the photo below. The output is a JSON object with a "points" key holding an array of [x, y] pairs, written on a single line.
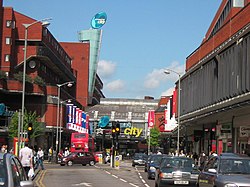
{"points": [[113, 152]]}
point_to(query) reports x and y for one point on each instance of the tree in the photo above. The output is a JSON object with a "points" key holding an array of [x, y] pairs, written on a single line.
{"points": [[154, 137], [29, 117]]}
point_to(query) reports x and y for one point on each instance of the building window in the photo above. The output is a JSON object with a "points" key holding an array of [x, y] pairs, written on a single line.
{"points": [[10, 24], [8, 41], [7, 58]]}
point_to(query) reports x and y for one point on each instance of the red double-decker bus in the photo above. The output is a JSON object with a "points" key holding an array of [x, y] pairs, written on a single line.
{"points": [[79, 142]]}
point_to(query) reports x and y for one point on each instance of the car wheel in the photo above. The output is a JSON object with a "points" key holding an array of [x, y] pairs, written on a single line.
{"points": [[91, 163], [84, 164], [70, 163], [62, 164]]}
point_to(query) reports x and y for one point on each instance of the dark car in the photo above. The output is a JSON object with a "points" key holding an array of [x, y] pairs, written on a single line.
{"points": [[139, 159], [12, 172], [227, 169], [176, 171], [83, 158], [151, 165]]}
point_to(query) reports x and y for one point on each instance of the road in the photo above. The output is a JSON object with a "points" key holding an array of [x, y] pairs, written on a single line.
{"points": [[100, 175]]}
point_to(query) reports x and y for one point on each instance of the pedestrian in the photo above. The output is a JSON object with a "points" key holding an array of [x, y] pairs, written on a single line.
{"points": [[159, 152], [40, 155], [66, 152], [195, 157], [26, 158], [202, 160], [50, 154], [4, 148], [182, 154]]}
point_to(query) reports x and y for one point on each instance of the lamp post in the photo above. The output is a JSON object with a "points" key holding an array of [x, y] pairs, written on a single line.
{"points": [[168, 71], [69, 84], [45, 23]]}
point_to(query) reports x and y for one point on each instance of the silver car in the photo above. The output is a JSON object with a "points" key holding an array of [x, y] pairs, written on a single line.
{"points": [[226, 170], [12, 173]]}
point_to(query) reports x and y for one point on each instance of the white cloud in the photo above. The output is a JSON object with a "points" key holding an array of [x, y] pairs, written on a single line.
{"points": [[168, 92], [155, 78], [106, 68], [115, 86]]}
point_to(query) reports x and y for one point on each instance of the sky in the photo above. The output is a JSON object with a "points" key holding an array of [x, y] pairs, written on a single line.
{"points": [[140, 39]]}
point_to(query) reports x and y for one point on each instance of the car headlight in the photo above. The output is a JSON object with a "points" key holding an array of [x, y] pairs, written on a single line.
{"points": [[152, 168], [64, 159], [230, 185], [194, 176]]}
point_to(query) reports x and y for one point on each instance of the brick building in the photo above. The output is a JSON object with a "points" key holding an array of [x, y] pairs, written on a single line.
{"points": [[48, 60], [215, 88]]}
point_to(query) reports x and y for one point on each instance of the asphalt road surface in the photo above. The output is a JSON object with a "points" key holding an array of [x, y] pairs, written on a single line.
{"points": [[99, 175]]}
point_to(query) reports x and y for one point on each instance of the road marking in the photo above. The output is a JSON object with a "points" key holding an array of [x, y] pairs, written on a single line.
{"points": [[133, 185], [123, 180], [107, 172], [115, 176], [83, 183]]}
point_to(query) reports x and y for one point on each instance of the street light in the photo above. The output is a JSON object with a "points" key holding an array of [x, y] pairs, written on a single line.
{"points": [[69, 84], [45, 23], [168, 71]]}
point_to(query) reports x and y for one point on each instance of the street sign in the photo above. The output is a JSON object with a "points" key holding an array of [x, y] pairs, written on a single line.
{"points": [[104, 121]]}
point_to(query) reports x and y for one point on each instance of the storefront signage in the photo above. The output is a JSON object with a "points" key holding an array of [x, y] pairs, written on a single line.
{"points": [[133, 131], [244, 131], [99, 20]]}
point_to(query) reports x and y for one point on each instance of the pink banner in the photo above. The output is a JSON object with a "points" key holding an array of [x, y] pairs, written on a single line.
{"points": [[151, 118]]}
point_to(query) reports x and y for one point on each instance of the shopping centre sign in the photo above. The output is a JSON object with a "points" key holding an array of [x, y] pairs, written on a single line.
{"points": [[133, 131]]}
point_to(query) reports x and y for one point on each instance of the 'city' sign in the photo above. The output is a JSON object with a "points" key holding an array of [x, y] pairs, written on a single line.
{"points": [[99, 20], [133, 131]]}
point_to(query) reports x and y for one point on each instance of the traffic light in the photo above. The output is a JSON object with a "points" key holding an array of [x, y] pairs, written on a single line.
{"points": [[30, 129], [117, 128], [113, 131]]}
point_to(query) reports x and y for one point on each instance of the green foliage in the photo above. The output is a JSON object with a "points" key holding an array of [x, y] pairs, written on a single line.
{"points": [[39, 81], [154, 137], [2, 75], [29, 117], [19, 76]]}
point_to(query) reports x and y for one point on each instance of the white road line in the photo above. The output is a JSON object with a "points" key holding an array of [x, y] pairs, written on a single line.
{"points": [[133, 185], [143, 181], [107, 172], [123, 180], [115, 176]]}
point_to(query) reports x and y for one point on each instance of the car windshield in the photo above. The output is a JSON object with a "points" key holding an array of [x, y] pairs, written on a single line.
{"points": [[176, 162], [234, 166], [155, 159]]}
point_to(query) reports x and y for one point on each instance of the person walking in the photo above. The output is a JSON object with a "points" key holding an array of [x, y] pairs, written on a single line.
{"points": [[26, 158], [50, 154], [40, 155]]}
